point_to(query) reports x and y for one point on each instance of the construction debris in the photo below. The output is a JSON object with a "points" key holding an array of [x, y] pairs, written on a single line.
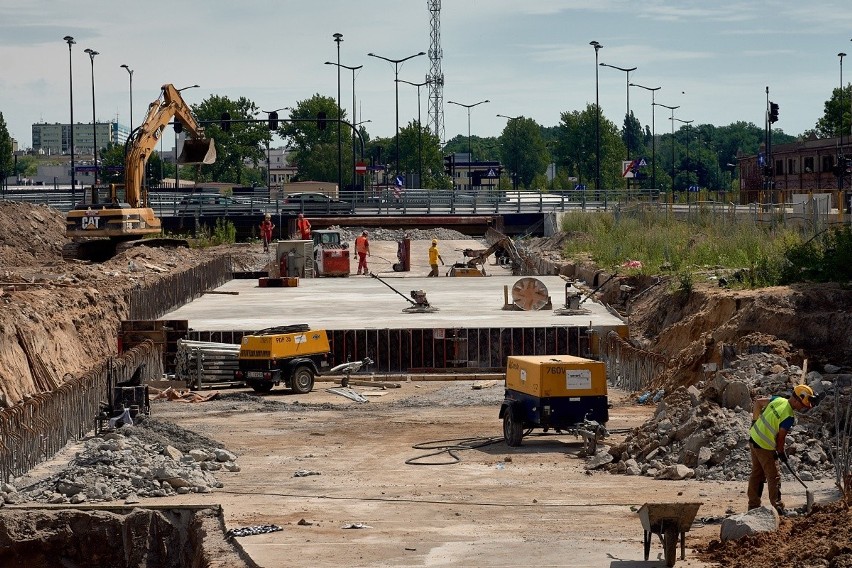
{"points": [[176, 395]]}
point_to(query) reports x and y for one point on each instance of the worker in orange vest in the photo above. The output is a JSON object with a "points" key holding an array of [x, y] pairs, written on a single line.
{"points": [[304, 227], [362, 248], [266, 228]]}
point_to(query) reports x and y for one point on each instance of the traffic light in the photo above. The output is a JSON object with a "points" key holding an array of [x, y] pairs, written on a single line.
{"points": [[273, 120], [321, 120], [773, 112], [448, 164], [178, 126], [767, 171], [225, 122]]}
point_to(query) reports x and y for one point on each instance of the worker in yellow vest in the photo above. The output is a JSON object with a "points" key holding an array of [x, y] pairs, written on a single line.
{"points": [[773, 418]]}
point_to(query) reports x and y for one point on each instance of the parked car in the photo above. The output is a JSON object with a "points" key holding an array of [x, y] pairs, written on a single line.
{"points": [[317, 203], [211, 204]]}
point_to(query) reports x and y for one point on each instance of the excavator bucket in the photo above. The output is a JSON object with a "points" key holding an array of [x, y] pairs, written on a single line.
{"points": [[199, 151]]}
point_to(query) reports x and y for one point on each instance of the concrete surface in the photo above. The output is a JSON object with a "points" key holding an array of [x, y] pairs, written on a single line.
{"points": [[361, 302]]}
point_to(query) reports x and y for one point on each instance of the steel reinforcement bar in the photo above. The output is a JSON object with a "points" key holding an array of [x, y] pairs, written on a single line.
{"points": [[175, 290], [628, 367], [40, 426]]}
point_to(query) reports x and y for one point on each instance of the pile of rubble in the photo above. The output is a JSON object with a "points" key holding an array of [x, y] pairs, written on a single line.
{"points": [[703, 431], [128, 463], [381, 234]]}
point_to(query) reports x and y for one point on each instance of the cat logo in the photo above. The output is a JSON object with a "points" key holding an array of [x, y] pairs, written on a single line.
{"points": [[90, 222]]}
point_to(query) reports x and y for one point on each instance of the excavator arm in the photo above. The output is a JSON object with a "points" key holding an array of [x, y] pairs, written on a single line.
{"points": [[144, 139], [505, 244]]}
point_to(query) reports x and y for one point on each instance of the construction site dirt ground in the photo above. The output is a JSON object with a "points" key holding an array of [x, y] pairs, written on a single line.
{"points": [[317, 463]]}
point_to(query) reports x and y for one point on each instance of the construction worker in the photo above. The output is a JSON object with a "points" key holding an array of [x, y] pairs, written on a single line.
{"points": [[434, 257], [773, 418], [266, 228], [303, 226], [362, 248]]}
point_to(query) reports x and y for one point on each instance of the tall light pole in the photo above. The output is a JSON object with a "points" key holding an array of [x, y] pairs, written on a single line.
{"points": [[597, 47], [130, 72], [469, 148], [177, 172], [840, 166], [671, 108], [92, 54], [70, 41], [396, 63], [338, 38], [653, 131], [271, 118], [353, 69], [627, 121], [419, 130], [514, 155], [687, 123]]}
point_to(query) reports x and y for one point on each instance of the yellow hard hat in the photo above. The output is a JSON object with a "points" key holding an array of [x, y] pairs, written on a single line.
{"points": [[434, 241], [805, 394]]}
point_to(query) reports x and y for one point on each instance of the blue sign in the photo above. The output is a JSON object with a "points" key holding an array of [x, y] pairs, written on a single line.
{"points": [[694, 188], [580, 187]]}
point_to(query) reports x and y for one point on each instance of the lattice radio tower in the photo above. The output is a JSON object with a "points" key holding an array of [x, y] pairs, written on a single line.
{"points": [[436, 76]]}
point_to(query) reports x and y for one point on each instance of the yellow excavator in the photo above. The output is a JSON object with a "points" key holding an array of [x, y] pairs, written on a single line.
{"points": [[109, 217], [475, 266]]}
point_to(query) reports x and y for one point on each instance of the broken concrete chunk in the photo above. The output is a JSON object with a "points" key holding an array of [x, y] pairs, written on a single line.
{"points": [[762, 519]]}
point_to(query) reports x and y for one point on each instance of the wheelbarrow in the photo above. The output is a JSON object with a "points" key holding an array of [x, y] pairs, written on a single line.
{"points": [[668, 521]]}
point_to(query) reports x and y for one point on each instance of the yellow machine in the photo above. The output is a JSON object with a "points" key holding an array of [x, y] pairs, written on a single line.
{"points": [[559, 392], [503, 246], [122, 212], [292, 354]]}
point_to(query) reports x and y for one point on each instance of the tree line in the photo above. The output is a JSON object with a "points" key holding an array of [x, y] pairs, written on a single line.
{"points": [[693, 155]]}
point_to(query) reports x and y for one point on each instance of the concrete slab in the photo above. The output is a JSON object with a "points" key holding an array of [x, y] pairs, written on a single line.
{"points": [[362, 302]]}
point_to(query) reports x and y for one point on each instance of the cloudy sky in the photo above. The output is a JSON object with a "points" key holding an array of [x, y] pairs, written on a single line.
{"points": [[528, 57]]}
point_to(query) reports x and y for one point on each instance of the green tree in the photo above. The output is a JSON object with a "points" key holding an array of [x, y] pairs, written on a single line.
{"points": [[576, 148], [523, 150], [113, 158], [836, 113], [239, 150], [414, 140], [6, 160], [314, 144]]}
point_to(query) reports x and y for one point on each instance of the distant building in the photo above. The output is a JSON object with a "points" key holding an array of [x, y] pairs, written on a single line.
{"points": [[472, 176], [55, 139], [805, 165]]}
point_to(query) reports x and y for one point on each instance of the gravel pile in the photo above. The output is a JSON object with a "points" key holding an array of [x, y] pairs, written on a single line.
{"points": [[380, 234], [702, 431], [150, 459]]}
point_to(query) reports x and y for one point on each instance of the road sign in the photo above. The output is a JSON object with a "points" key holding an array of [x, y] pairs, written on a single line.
{"points": [[580, 187], [361, 168]]}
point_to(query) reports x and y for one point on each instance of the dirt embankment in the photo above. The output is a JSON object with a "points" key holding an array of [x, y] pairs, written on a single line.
{"points": [[59, 317]]}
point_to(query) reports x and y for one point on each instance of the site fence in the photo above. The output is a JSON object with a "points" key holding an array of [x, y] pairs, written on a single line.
{"points": [[175, 290], [36, 429], [628, 367]]}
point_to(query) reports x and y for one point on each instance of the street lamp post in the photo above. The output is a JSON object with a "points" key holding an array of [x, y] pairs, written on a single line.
{"points": [[469, 148], [92, 54], [396, 63], [353, 69], [671, 108], [177, 172], [130, 72], [653, 131], [597, 47], [627, 122], [514, 157], [70, 41], [688, 171], [840, 166], [268, 160], [419, 130], [338, 38]]}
